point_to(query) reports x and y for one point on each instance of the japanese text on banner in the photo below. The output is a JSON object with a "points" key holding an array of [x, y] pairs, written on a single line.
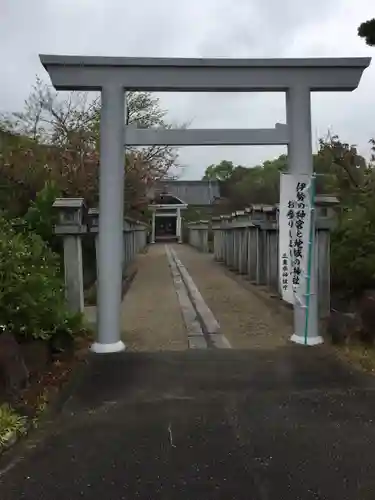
{"points": [[294, 224]]}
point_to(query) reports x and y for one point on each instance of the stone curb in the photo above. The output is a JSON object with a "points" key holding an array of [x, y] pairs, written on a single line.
{"points": [[128, 281], [210, 323], [195, 334], [210, 326]]}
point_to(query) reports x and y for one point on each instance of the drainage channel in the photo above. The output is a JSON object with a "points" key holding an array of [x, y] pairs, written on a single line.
{"points": [[201, 325], [196, 337]]}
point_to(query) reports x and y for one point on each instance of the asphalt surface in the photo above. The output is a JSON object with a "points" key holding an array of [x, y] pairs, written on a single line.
{"points": [[291, 423]]}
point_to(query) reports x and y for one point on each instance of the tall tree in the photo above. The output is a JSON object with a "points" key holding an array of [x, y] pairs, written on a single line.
{"points": [[367, 31], [220, 172], [259, 184], [340, 168], [56, 137], [341, 171]]}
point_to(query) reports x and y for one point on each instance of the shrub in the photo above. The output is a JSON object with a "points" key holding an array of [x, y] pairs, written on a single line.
{"points": [[32, 301], [41, 216], [353, 249], [10, 424]]}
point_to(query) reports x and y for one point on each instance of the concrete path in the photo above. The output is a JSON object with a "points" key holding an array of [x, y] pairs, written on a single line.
{"points": [[206, 424], [274, 421], [151, 314], [182, 299]]}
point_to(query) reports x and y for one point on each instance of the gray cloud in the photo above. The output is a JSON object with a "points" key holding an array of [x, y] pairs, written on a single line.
{"points": [[214, 28]]}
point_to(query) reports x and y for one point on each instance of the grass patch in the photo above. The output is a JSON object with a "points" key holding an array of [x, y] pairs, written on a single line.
{"points": [[12, 425], [358, 355], [37, 396]]}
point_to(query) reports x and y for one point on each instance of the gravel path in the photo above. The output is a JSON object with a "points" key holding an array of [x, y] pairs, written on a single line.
{"points": [[244, 318], [151, 315]]}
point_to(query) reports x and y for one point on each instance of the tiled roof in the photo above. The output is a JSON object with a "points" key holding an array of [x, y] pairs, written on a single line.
{"points": [[191, 192], [69, 203]]}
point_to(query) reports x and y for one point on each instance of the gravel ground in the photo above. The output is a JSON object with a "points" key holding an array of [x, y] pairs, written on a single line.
{"points": [[151, 315], [244, 318]]}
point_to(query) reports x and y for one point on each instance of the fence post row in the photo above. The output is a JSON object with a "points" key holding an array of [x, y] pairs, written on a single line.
{"points": [[247, 242], [198, 235], [76, 222]]}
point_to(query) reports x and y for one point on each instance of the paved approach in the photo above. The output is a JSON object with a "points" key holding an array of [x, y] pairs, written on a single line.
{"points": [[176, 287], [268, 423]]}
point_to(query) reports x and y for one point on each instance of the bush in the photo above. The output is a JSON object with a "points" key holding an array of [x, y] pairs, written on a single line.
{"points": [[11, 425], [353, 249], [41, 216], [32, 301]]}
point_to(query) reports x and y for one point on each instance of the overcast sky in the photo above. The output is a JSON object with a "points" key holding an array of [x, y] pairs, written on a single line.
{"points": [[199, 28]]}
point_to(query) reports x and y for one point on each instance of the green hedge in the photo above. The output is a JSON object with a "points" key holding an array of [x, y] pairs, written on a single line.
{"points": [[32, 300]]}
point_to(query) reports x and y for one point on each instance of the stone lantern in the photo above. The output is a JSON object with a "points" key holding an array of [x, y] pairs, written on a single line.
{"points": [[72, 216], [93, 220]]}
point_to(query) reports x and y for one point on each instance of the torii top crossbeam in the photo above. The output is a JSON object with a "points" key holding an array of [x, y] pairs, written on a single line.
{"points": [[221, 75]]}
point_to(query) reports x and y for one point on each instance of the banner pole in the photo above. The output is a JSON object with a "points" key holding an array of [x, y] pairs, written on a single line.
{"points": [[309, 256]]}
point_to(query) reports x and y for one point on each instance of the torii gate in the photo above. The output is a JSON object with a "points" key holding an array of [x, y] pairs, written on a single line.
{"points": [[113, 76]]}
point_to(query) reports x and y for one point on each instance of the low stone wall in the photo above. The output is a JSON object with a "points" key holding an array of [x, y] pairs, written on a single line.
{"points": [[247, 242], [198, 235], [75, 225]]}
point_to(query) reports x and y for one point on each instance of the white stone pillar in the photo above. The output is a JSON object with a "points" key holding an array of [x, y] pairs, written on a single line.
{"points": [[178, 226], [111, 208], [300, 161], [73, 271], [97, 254], [153, 227]]}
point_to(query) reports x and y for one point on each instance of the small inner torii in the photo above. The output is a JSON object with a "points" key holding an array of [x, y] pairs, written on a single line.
{"points": [[113, 76], [166, 218]]}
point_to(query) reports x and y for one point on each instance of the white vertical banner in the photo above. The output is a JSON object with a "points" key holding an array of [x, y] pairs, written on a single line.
{"points": [[294, 235]]}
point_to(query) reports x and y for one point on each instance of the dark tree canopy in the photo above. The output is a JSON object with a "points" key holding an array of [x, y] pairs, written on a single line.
{"points": [[56, 138], [342, 172], [220, 172], [367, 31]]}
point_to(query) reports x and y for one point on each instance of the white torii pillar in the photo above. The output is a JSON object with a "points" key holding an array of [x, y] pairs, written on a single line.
{"points": [[111, 219], [300, 161]]}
